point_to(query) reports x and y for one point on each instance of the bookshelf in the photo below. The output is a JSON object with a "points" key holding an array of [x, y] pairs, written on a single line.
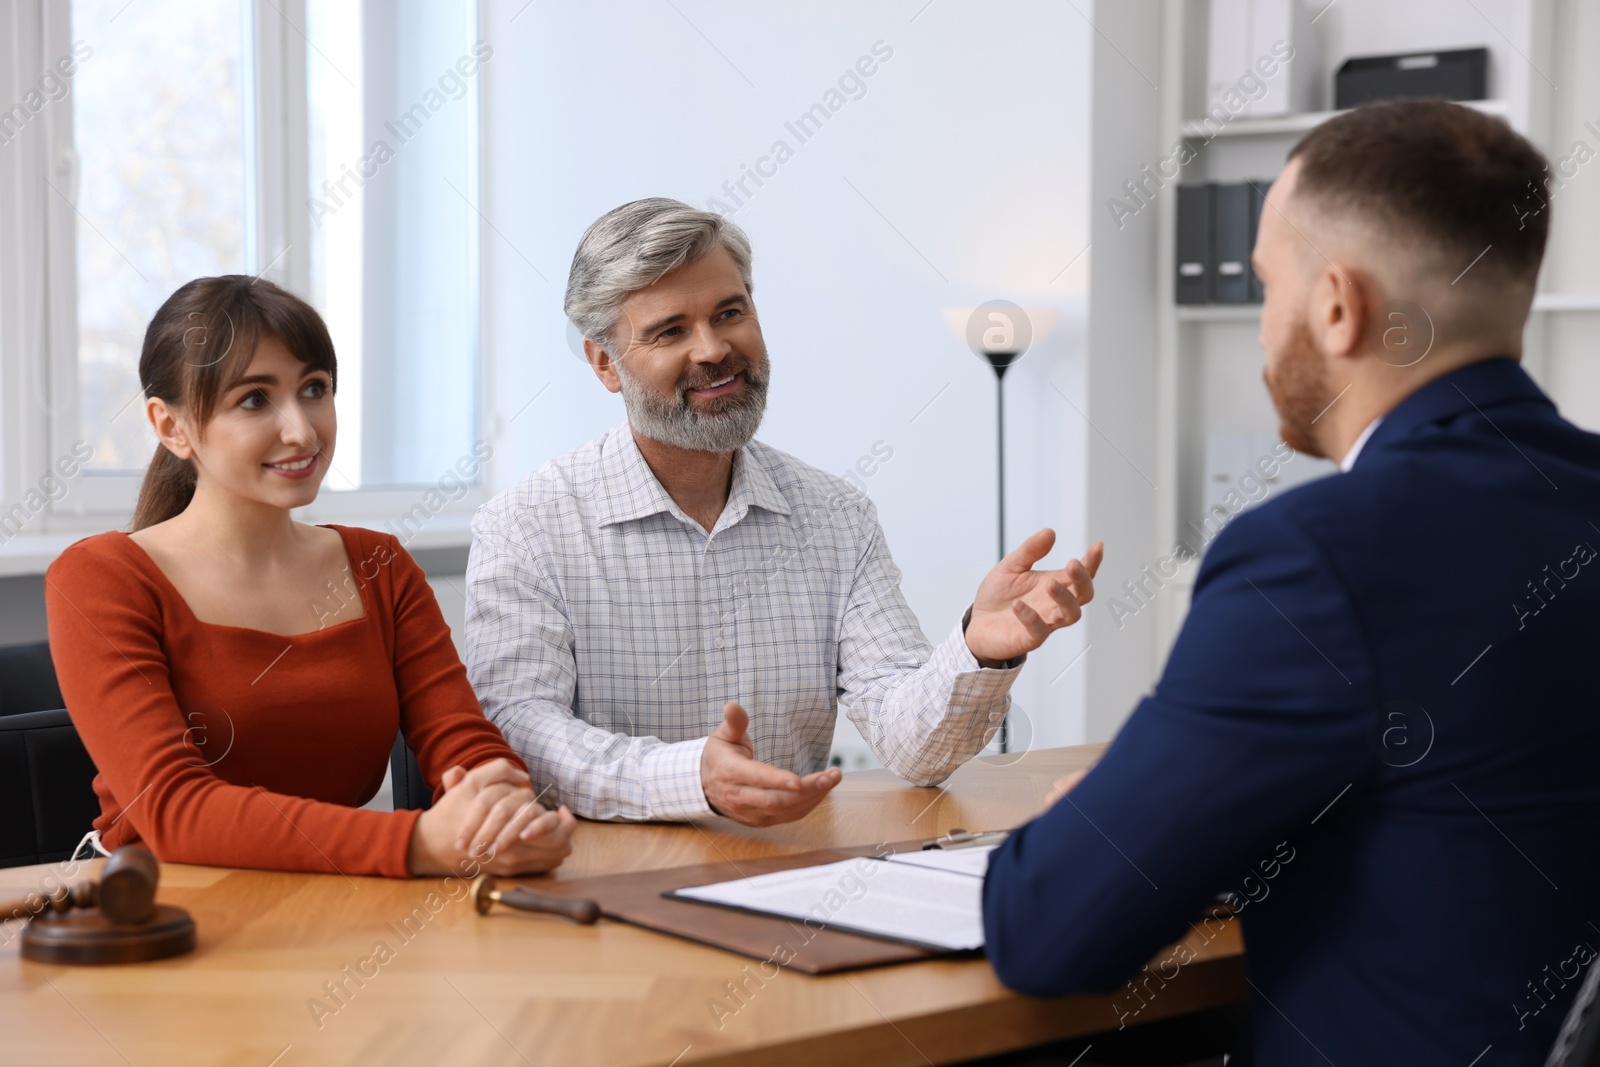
{"points": [[1297, 124], [1543, 303], [1208, 363]]}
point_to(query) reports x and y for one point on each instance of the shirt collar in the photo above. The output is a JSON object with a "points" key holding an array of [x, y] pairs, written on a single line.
{"points": [[1350, 455], [628, 489]]}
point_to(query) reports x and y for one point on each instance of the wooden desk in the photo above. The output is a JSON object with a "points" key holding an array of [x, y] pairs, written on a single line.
{"points": [[515, 989]]}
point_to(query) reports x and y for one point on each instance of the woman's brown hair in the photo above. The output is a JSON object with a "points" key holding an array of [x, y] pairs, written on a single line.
{"points": [[197, 347]]}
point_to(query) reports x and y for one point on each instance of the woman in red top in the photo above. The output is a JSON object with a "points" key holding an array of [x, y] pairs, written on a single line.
{"points": [[237, 676]]}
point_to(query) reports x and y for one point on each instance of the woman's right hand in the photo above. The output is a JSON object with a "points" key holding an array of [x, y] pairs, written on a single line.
{"points": [[489, 821]]}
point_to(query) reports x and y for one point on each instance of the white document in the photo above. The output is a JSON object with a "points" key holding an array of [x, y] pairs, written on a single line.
{"points": [[973, 860], [923, 905]]}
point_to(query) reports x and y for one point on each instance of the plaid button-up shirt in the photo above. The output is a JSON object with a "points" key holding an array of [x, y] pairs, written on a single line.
{"points": [[606, 629]]}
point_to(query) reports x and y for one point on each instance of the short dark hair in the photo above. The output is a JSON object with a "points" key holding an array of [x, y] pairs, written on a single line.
{"points": [[1456, 179]]}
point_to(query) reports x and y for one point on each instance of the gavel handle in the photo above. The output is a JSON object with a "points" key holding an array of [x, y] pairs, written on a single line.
{"points": [[37, 904], [26, 908], [579, 911]]}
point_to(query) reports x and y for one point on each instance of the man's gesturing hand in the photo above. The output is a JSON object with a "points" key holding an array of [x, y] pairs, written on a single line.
{"points": [[746, 790], [1017, 607]]}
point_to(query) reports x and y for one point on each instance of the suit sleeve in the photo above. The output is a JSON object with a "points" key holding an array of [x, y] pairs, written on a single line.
{"points": [[1260, 720], [439, 713]]}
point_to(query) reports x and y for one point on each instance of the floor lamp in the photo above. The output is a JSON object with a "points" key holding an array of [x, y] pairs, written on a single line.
{"points": [[1001, 333]]}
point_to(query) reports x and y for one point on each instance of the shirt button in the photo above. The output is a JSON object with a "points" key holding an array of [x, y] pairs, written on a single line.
{"points": [[718, 642]]}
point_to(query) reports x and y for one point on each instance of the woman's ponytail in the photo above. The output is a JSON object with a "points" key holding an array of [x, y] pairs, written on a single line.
{"points": [[167, 489]]}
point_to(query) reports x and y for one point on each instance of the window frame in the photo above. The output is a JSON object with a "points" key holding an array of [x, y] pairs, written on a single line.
{"points": [[25, 322]]}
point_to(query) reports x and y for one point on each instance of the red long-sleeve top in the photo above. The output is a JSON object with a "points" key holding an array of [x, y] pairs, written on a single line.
{"points": [[236, 747]]}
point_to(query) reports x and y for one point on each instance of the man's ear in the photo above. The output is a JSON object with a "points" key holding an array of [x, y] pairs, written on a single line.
{"points": [[169, 427], [1340, 306], [604, 366]]}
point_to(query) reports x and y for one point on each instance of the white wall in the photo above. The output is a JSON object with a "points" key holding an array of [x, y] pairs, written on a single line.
{"points": [[958, 177], [1570, 342]]}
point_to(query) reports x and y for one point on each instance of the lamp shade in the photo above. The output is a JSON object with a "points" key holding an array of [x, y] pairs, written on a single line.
{"points": [[1000, 331]]}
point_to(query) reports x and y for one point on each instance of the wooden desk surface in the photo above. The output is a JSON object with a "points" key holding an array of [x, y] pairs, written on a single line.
{"points": [[451, 987]]}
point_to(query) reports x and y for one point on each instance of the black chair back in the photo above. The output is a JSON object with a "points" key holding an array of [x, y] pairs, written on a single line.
{"points": [[47, 798], [28, 679], [405, 777]]}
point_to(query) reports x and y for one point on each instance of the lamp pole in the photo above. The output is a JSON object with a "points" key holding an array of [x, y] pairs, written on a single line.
{"points": [[1001, 333], [1001, 362]]}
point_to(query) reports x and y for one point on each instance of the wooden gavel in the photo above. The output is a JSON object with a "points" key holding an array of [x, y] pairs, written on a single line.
{"points": [[113, 920], [484, 895], [125, 893]]}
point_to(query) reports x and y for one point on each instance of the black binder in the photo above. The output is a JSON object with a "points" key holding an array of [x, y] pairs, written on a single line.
{"points": [[1258, 204], [1231, 244], [1193, 284]]}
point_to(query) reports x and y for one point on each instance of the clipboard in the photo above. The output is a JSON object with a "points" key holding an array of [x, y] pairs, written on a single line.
{"points": [[638, 898], [933, 904], [967, 839]]}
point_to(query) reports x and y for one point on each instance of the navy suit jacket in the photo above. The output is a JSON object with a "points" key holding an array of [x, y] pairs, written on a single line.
{"points": [[1379, 730]]}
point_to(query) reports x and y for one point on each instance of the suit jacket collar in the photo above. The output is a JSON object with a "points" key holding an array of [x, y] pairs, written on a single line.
{"points": [[1483, 386]]}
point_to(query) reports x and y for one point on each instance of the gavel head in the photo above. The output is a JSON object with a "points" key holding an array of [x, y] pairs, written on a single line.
{"points": [[127, 888], [481, 886]]}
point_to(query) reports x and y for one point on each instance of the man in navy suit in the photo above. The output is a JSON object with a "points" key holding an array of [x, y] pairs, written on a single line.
{"points": [[1379, 730]]}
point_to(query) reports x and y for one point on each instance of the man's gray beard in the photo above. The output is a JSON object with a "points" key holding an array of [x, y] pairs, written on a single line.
{"points": [[677, 423]]}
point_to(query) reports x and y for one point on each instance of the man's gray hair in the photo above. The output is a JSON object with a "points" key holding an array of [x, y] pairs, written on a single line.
{"points": [[633, 246]]}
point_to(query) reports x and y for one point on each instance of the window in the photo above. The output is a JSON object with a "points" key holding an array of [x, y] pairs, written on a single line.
{"points": [[393, 229], [328, 145], [159, 193]]}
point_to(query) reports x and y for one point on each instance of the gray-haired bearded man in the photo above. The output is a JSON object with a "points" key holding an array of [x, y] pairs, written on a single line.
{"points": [[630, 600]]}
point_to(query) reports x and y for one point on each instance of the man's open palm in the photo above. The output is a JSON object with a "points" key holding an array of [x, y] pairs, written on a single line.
{"points": [[746, 790], [1018, 607]]}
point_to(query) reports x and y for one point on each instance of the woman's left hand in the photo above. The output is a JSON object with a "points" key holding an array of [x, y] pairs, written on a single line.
{"points": [[506, 830]]}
